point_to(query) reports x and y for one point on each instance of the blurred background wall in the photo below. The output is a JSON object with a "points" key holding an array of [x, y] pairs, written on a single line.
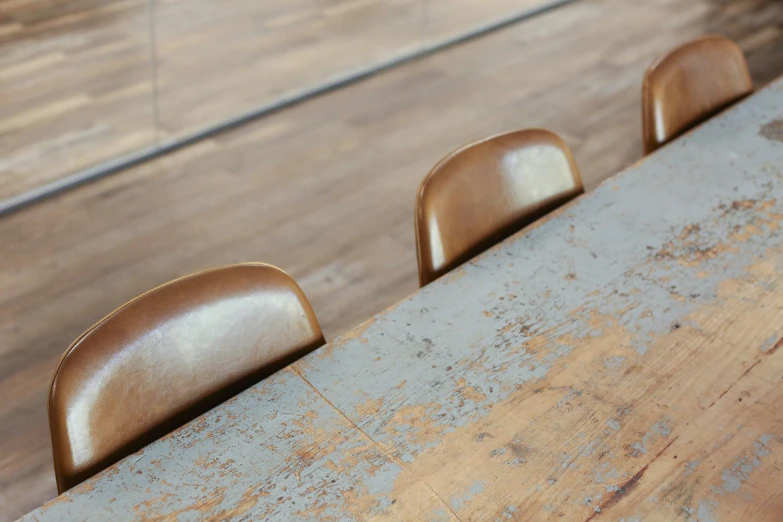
{"points": [[86, 83]]}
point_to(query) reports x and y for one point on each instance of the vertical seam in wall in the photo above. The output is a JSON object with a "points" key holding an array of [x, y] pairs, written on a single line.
{"points": [[154, 91], [425, 23]]}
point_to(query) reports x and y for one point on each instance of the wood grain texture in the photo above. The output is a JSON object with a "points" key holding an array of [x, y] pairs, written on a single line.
{"points": [[611, 362], [326, 189], [75, 87]]}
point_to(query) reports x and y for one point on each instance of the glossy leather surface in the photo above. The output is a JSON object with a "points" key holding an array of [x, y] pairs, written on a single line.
{"points": [[689, 85], [486, 191], [168, 356]]}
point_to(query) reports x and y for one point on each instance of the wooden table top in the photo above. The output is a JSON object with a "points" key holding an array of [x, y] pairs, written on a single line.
{"points": [[618, 361]]}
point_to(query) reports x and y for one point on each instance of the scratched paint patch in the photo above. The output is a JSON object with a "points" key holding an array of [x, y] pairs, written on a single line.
{"points": [[691, 466], [295, 457], [732, 479], [507, 514], [440, 515], [772, 343], [703, 512], [460, 501], [614, 363], [735, 476], [657, 431]]}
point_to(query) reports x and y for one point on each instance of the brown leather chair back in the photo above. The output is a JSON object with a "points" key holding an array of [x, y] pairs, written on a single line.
{"points": [[689, 85], [170, 355], [487, 190]]}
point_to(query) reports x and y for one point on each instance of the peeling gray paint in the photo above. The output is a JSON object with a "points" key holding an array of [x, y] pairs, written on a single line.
{"points": [[614, 363], [568, 396], [770, 342], [760, 446], [733, 478], [704, 512], [604, 473], [690, 467], [507, 514], [739, 473], [658, 430], [459, 502]]}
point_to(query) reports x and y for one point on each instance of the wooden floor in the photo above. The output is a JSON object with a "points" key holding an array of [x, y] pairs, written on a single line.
{"points": [[325, 189], [76, 76]]}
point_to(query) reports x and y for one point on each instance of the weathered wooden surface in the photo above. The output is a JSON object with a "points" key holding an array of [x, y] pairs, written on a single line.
{"points": [[339, 218], [618, 361]]}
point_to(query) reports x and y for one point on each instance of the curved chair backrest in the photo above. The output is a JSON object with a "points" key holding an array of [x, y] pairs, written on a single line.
{"points": [[487, 190], [170, 355], [690, 84]]}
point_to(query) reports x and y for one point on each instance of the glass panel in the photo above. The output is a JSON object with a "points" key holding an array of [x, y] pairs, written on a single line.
{"points": [[75, 87], [448, 19], [220, 58]]}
